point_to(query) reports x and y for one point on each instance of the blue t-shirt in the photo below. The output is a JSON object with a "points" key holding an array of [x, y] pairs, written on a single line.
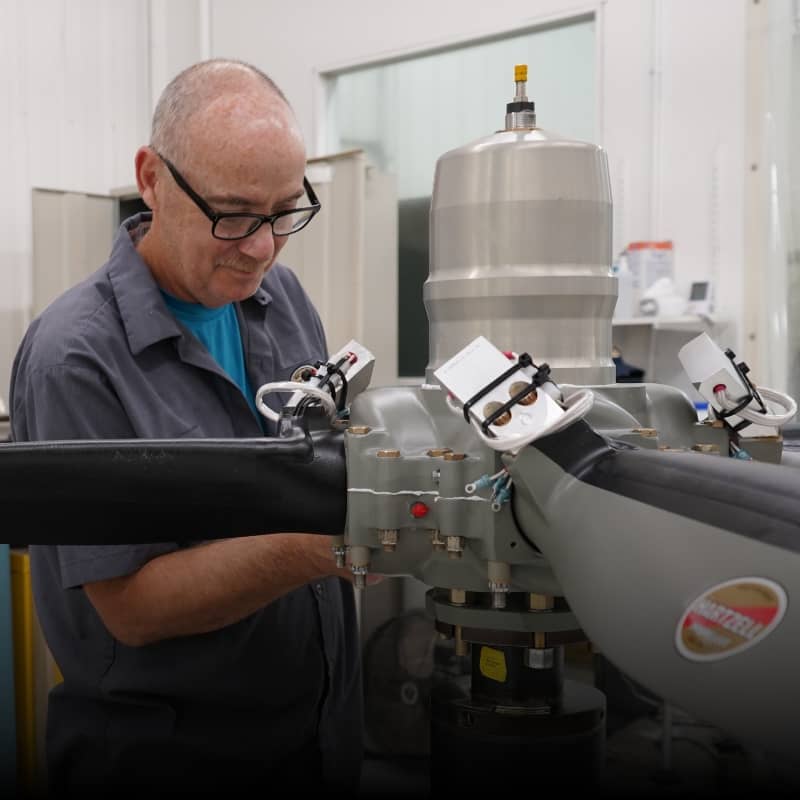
{"points": [[218, 330]]}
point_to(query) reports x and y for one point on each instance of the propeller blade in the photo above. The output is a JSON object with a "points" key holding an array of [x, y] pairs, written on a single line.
{"points": [[128, 491], [683, 569]]}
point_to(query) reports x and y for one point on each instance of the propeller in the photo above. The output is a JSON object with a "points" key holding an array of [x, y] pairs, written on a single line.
{"points": [[131, 491], [683, 569]]}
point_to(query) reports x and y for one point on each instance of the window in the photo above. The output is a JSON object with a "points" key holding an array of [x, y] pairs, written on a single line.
{"points": [[406, 113]]}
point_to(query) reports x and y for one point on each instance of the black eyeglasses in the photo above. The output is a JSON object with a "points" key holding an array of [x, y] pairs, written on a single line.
{"points": [[236, 225]]}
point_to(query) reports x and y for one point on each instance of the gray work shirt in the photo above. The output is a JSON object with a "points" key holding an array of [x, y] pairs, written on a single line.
{"points": [[108, 360]]}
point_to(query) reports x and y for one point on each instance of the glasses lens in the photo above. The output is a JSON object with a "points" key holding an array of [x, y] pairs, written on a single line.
{"points": [[235, 227], [289, 223]]}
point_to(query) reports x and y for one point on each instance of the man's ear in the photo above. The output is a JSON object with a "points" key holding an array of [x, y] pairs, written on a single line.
{"points": [[147, 175]]}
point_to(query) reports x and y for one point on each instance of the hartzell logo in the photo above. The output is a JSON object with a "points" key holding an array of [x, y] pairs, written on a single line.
{"points": [[730, 617], [733, 621]]}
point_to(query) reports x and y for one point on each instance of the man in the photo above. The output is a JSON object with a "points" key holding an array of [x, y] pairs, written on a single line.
{"points": [[212, 665]]}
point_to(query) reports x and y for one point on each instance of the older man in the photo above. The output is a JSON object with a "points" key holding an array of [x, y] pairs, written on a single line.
{"points": [[199, 665]]}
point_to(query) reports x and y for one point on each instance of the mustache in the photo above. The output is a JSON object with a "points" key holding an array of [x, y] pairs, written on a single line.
{"points": [[244, 264]]}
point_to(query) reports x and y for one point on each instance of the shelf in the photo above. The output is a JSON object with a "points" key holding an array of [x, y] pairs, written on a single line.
{"points": [[684, 323], [652, 343]]}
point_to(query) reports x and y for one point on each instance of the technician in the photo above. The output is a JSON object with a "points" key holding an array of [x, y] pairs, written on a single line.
{"points": [[198, 666]]}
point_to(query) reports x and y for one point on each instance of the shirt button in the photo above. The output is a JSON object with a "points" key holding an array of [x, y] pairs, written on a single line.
{"points": [[319, 588]]}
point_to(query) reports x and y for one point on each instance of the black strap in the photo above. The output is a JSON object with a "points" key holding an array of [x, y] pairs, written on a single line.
{"points": [[335, 369], [753, 395], [524, 360]]}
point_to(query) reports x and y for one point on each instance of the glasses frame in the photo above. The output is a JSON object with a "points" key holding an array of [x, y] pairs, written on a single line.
{"points": [[216, 216]]}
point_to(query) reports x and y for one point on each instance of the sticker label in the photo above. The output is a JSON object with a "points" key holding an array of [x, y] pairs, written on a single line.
{"points": [[729, 618], [493, 664]]}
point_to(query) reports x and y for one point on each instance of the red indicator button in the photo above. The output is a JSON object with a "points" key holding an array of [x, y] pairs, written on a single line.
{"points": [[419, 510]]}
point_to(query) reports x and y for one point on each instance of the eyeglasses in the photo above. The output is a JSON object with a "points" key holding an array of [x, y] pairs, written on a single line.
{"points": [[237, 225]]}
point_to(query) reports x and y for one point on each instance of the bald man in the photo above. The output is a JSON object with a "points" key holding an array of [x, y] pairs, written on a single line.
{"points": [[191, 665]]}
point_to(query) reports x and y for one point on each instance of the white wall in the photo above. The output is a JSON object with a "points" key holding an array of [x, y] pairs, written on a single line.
{"points": [[78, 79], [73, 97]]}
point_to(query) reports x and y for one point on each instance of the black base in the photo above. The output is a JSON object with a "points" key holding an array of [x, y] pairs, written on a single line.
{"points": [[477, 746]]}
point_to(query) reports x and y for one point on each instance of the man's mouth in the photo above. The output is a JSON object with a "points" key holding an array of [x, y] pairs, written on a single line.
{"points": [[244, 270]]}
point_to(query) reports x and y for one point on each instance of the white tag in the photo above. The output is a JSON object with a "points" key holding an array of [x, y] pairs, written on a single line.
{"points": [[479, 364]]}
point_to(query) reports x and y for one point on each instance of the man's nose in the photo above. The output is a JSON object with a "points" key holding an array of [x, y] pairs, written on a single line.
{"points": [[259, 245]]}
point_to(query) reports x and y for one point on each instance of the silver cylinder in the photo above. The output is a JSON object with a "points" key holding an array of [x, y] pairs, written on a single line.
{"points": [[520, 252]]}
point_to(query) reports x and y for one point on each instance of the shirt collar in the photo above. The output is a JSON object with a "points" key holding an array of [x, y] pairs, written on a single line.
{"points": [[144, 313]]}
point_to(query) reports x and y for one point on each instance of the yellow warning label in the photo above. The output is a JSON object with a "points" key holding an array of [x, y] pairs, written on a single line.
{"points": [[493, 664]]}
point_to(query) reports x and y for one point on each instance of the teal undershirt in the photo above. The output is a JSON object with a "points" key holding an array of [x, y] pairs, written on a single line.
{"points": [[218, 330]]}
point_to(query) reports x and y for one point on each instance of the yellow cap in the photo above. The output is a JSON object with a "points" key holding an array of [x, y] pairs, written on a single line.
{"points": [[520, 72]]}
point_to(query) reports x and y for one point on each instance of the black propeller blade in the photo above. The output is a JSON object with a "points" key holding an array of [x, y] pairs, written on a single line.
{"points": [[128, 491]]}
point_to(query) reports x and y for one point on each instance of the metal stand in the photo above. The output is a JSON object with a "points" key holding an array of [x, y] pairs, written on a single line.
{"points": [[515, 720]]}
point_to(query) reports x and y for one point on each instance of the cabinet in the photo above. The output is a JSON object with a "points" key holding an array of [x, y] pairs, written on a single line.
{"points": [[72, 236], [652, 344], [347, 257]]}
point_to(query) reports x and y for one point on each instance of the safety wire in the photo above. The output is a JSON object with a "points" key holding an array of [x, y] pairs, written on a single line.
{"points": [[500, 484], [753, 415], [324, 397], [757, 414], [739, 452], [501, 493], [325, 392]]}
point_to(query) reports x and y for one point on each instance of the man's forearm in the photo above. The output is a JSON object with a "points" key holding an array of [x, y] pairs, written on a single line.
{"points": [[207, 587]]}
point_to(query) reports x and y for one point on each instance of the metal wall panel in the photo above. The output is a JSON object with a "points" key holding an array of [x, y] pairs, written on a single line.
{"points": [[75, 98]]}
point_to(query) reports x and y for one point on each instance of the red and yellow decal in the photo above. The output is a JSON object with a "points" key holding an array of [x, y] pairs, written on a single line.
{"points": [[729, 618]]}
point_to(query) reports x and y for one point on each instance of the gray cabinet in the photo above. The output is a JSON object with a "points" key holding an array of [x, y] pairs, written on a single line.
{"points": [[347, 257], [72, 236]]}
